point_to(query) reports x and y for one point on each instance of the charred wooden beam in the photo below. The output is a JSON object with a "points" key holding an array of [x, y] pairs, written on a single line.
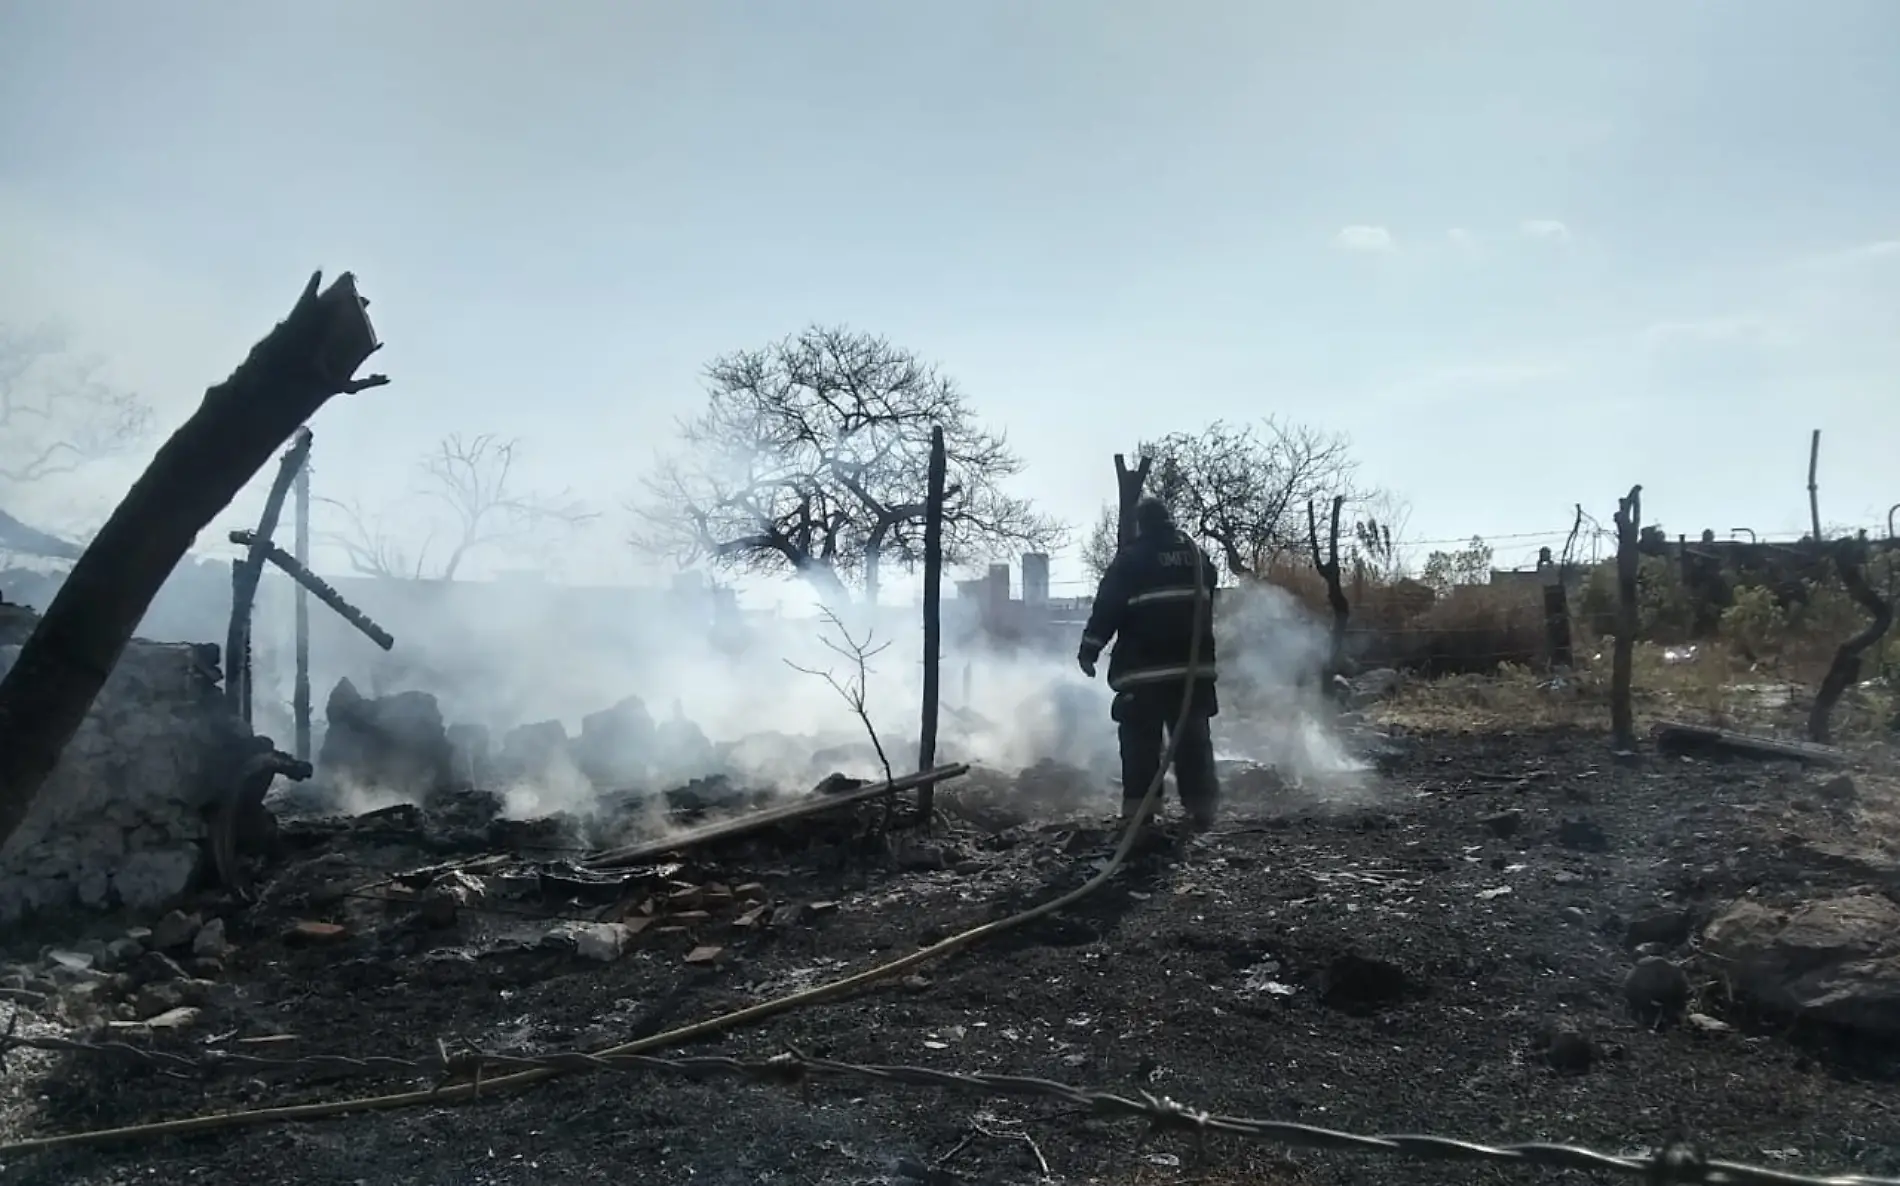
{"points": [[810, 805], [318, 586]]}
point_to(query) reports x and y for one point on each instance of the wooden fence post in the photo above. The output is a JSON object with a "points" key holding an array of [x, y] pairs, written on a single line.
{"points": [[1629, 521]]}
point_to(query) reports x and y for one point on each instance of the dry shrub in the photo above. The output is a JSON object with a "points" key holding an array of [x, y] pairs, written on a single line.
{"points": [[1475, 628], [1470, 630]]}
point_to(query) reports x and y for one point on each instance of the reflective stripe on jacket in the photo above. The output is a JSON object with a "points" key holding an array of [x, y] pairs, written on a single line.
{"points": [[1145, 606]]}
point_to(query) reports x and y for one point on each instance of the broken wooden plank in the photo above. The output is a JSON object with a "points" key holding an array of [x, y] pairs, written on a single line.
{"points": [[808, 805], [1683, 737]]}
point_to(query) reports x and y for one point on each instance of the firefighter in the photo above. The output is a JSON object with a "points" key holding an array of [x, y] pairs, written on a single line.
{"points": [[1146, 605]]}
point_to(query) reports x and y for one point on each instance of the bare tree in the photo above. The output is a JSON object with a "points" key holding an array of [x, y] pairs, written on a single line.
{"points": [[57, 416], [470, 481], [811, 455], [1241, 490]]}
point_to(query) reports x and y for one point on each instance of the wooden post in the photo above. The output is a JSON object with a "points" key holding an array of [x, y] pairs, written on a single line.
{"points": [[250, 570], [306, 360], [1629, 521], [300, 697], [237, 650], [1814, 489], [1128, 487], [933, 621]]}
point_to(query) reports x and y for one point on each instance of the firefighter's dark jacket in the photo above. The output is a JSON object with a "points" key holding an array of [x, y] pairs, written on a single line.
{"points": [[1145, 605]]}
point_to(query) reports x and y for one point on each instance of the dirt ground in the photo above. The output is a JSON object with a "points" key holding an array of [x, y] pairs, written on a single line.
{"points": [[1390, 961]]}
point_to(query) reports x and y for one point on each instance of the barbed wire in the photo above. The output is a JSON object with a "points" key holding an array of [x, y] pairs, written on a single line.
{"points": [[1674, 1162]]}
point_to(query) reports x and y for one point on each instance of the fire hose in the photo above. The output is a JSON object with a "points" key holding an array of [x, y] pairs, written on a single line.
{"points": [[818, 994]]}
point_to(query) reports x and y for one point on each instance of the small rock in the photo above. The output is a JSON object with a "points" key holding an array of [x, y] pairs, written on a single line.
{"points": [[71, 961], [174, 930], [921, 858], [1708, 1025], [1571, 1052], [207, 968], [442, 903], [1357, 984], [1656, 986], [602, 941], [175, 1019], [209, 942], [1667, 927], [154, 966], [311, 933], [703, 955], [121, 953], [1504, 824], [155, 999], [1839, 789], [916, 983], [1582, 835]]}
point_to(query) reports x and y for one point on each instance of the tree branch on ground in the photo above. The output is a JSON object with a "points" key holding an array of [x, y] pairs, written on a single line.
{"points": [[853, 686], [472, 480], [811, 456]]}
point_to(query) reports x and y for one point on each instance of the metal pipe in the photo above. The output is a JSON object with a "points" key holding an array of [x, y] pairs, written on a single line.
{"points": [[1748, 531], [1890, 513]]}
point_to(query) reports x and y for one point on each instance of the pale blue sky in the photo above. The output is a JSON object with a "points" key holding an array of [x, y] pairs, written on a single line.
{"points": [[1524, 254]]}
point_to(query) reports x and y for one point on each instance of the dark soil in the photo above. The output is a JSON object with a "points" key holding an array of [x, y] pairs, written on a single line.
{"points": [[1408, 961]]}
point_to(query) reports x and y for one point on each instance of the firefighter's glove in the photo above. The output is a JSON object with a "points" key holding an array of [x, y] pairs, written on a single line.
{"points": [[1086, 662]]}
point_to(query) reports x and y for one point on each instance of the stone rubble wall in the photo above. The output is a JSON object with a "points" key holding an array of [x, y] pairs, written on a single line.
{"points": [[121, 820]]}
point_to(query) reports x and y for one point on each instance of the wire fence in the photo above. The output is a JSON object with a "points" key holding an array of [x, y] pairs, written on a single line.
{"points": [[1674, 1162]]}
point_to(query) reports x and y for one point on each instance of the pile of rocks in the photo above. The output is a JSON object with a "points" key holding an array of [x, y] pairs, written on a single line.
{"points": [[121, 821], [159, 977]]}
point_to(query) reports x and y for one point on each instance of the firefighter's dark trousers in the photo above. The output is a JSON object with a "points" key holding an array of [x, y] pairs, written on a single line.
{"points": [[1144, 718]]}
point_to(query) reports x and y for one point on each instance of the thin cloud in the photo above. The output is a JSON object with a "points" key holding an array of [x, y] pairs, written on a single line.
{"points": [[1365, 238], [1717, 331], [1547, 229], [1460, 237]]}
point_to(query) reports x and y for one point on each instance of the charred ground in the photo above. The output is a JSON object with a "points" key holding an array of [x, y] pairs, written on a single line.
{"points": [[1403, 960]]}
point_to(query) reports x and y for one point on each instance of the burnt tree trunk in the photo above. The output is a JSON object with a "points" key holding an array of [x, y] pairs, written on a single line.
{"points": [[309, 357], [250, 571], [933, 619], [1557, 603], [1328, 565], [1128, 487], [300, 694], [1629, 522], [1849, 555]]}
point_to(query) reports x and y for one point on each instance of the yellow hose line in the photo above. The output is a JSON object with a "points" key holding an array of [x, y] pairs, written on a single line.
{"points": [[700, 1029]]}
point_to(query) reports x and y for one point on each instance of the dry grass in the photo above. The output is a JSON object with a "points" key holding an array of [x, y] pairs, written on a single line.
{"points": [[1714, 687], [1473, 629]]}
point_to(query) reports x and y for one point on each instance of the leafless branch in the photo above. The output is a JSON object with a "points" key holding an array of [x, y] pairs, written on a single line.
{"points": [[472, 480], [56, 414], [1238, 488], [853, 686]]}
